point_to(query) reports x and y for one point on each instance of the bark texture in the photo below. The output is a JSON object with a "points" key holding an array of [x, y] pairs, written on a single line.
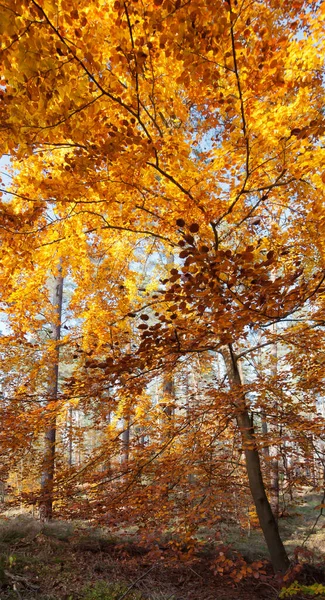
{"points": [[48, 466], [278, 554]]}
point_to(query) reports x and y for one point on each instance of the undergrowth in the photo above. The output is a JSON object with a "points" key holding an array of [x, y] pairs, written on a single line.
{"points": [[102, 590], [72, 561], [298, 589]]}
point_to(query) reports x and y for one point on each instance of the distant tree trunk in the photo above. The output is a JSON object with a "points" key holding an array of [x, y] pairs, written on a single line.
{"points": [[287, 470], [70, 436], [168, 387], [274, 483], [279, 557], [168, 395], [48, 465], [125, 437], [166, 403], [274, 450], [107, 464], [265, 431], [188, 408], [79, 453], [273, 464], [2, 491]]}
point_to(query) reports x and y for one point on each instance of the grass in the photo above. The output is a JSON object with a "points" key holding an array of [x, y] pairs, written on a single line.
{"points": [[60, 530], [102, 590], [294, 529], [297, 528], [70, 561], [13, 530]]}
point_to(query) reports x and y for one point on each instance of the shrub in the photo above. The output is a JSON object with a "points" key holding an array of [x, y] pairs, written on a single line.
{"points": [[296, 589]]}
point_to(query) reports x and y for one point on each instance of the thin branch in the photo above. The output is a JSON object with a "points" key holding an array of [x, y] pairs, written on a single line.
{"points": [[174, 181], [243, 118], [74, 112], [135, 58], [135, 582], [120, 228], [321, 514], [257, 347], [105, 92]]}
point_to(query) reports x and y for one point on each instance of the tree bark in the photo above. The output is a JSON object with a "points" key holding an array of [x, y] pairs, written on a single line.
{"points": [[168, 395], [278, 554], [70, 434], [274, 484], [125, 437], [48, 465], [274, 450]]}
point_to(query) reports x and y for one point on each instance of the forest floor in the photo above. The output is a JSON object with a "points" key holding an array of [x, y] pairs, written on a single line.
{"points": [[67, 561]]}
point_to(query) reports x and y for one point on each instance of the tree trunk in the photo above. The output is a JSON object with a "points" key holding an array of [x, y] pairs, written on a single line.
{"points": [[168, 396], [125, 437], [274, 450], [274, 483], [2, 492], [48, 465], [272, 461], [279, 557], [70, 436]]}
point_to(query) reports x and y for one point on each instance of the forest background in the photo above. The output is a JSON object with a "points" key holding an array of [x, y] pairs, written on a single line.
{"points": [[162, 261]]}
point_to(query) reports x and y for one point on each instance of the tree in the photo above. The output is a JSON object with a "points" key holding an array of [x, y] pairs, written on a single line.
{"points": [[48, 467], [245, 422], [163, 124]]}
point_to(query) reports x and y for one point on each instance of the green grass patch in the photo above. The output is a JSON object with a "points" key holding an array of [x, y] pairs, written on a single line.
{"points": [[101, 590]]}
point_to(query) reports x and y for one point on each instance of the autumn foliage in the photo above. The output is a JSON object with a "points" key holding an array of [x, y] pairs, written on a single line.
{"points": [[165, 165]]}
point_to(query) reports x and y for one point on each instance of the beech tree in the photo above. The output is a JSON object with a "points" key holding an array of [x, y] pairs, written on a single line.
{"points": [[48, 468], [187, 127]]}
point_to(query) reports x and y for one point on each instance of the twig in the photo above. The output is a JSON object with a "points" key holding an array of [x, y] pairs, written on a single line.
{"points": [[19, 579], [195, 573], [135, 582], [268, 585], [16, 590], [321, 514]]}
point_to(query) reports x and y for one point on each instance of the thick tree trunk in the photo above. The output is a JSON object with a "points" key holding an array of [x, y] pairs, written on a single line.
{"points": [[48, 466], [279, 557]]}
